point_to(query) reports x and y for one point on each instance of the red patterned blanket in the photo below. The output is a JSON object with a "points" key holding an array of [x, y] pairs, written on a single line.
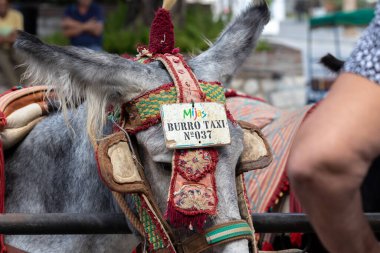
{"points": [[266, 187]]}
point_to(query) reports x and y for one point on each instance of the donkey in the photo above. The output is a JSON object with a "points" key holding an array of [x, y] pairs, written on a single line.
{"points": [[54, 168]]}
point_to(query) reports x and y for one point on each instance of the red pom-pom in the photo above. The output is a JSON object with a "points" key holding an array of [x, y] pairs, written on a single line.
{"points": [[3, 120], [267, 246], [161, 39], [296, 240]]}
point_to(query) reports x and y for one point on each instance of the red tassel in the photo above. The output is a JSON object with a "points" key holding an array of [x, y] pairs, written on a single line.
{"points": [[161, 39], [267, 246], [295, 205], [178, 219], [2, 194], [296, 240], [3, 120]]}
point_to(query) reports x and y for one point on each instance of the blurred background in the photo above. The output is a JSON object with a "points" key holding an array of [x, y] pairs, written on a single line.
{"points": [[284, 68]]}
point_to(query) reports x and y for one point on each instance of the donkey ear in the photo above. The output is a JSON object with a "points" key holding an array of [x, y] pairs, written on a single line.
{"points": [[77, 73], [234, 45], [81, 68]]}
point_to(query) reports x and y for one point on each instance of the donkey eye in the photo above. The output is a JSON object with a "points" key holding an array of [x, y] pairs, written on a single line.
{"points": [[166, 166]]}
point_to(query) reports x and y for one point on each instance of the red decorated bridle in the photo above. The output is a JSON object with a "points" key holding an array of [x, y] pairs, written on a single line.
{"points": [[183, 182]]}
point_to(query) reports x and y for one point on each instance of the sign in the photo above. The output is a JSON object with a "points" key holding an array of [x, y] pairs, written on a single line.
{"points": [[195, 125]]}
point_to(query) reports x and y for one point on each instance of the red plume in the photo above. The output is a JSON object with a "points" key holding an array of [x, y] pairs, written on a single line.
{"points": [[161, 39]]}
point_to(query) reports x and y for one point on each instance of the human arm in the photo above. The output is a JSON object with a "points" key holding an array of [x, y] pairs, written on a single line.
{"points": [[8, 39], [330, 158], [17, 23], [72, 28], [94, 27], [335, 147]]}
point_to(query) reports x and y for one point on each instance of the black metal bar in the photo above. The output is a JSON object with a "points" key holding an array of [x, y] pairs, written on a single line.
{"points": [[281, 223], [63, 223], [71, 223], [287, 222]]}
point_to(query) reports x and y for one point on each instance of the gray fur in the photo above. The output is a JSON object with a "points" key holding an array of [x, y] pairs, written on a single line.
{"points": [[54, 169]]}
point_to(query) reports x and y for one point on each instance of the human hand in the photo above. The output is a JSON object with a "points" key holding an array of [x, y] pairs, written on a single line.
{"points": [[69, 22], [94, 27], [90, 25], [12, 37], [9, 39]]}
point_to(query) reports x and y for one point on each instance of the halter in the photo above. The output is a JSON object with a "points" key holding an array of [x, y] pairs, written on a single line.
{"points": [[126, 176]]}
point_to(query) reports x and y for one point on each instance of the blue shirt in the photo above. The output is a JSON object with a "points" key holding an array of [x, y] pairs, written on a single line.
{"points": [[86, 39]]}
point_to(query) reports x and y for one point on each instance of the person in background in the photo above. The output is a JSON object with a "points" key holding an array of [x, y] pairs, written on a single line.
{"points": [[83, 24], [10, 21], [301, 7]]}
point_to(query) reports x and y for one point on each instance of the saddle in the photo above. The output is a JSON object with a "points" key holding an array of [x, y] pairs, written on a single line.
{"points": [[20, 111]]}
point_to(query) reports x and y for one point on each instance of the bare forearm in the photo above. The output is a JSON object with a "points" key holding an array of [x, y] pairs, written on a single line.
{"points": [[71, 27], [338, 218], [94, 28], [329, 161], [8, 39], [72, 31]]}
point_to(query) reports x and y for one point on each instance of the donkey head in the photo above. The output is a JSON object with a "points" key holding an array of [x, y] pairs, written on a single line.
{"points": [[103, 79]]}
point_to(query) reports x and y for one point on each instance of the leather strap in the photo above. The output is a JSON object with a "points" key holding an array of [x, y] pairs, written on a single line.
{"points": [[132, 166], [256, 153], [244, 208]]}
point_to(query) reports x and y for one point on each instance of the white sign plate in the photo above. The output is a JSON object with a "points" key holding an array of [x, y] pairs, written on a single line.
{"points": [[195, 125]]}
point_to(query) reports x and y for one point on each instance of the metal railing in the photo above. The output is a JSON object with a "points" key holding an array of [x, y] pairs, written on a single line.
{"points": [[72, 223]]}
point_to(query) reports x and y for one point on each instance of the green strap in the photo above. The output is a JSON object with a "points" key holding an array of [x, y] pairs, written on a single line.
{"points": [[228, 232]]}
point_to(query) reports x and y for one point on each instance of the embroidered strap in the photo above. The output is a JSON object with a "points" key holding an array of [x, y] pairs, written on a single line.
{"points": [[192, 192], [240, 228], [120, 169], [144, 111], [188, 89], [219, 234]]}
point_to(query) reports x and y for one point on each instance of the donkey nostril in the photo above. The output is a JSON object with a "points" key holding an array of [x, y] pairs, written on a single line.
{"points": [[167, 166]]}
